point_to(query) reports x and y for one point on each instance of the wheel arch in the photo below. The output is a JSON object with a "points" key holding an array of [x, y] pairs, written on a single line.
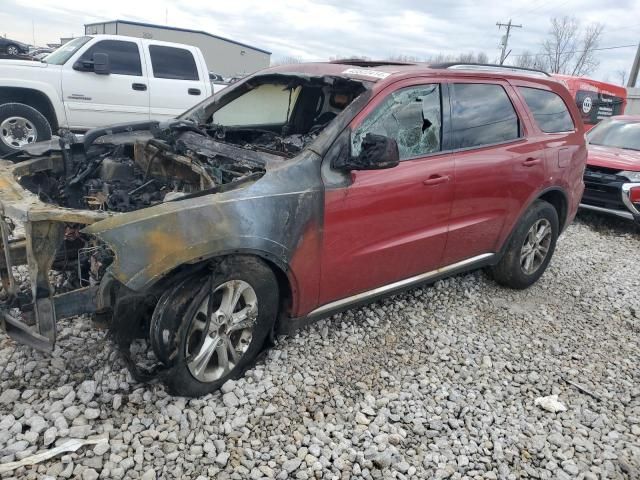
{"points": [[558, 199], [33, 98], [284, 275], [555, 196]]}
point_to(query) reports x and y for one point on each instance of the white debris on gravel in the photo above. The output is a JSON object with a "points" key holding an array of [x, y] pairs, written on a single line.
{"points": [[437, 382], [550, 404]]}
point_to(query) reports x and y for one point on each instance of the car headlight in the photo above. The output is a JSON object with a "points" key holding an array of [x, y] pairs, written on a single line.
{"points": [[632, 176]]}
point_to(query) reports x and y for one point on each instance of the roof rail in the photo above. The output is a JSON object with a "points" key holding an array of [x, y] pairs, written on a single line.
{"points": [[359, 62], [488, 66]]}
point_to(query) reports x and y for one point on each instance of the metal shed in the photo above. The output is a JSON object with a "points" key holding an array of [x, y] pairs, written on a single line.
{"points": [[224, 56]]}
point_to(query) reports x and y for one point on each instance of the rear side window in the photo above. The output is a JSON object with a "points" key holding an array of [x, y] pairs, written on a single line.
{"points": [[548, 109], [482, 114], [173, 63], [124, 57], [411, 116]]}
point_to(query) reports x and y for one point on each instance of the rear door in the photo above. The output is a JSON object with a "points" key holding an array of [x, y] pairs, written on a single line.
{"points": [[495, 166], [93, 100], [175, 80], [389, 225]]}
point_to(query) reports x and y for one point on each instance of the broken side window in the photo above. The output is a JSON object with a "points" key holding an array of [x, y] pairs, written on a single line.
{"points": [[411, 116]]}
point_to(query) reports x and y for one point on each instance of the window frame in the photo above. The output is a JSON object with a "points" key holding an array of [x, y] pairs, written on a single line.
{"points": [[81, 58], [508, 90], [415, 82], [531, 114], [151, 46]]}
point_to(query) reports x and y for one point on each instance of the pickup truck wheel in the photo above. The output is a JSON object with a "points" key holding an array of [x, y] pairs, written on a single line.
{"points": [[215, 324], [20, 125], [530, 248]]}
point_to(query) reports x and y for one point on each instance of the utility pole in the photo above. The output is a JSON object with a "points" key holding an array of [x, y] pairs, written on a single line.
{"points": [[505, 39], [633, 76]]}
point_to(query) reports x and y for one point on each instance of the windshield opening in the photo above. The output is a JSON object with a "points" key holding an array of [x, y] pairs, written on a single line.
{"points": [[277, 113], [616, 133], [66, 51]]}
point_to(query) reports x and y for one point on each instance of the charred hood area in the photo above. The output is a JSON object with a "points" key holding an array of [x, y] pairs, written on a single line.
{"points": [[177, 162]]}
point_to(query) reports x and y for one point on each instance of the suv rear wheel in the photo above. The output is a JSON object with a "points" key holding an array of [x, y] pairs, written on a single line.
{"points": [[211, 327], [530, 248], [21, 125]]}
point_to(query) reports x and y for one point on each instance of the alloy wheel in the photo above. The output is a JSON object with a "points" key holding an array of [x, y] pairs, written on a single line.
{"points": [[536, 246], [12, 50], [221, 330]]}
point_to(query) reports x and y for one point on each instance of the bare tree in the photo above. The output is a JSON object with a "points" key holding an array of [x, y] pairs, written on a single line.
{"points": [[482, 58], [404, 58], [570, 49], [622, 76], [285, 61], [529, 60]]}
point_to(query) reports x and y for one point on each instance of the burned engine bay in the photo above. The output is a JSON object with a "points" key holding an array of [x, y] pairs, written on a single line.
{"points": [[130, 176]]}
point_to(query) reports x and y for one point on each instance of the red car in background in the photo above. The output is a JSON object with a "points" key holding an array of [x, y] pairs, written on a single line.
{"points": [[612, 176], [595, 100]]}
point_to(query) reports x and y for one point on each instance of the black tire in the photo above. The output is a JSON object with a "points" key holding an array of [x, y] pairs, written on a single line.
{"points": [[172, 321], [33, 116], [9, 49], [509, 271]]}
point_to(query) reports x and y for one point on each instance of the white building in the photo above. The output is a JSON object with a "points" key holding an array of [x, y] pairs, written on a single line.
{"points": [[223, 56]]}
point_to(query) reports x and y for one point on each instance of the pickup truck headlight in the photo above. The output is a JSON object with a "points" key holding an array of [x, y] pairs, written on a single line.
{"points": [[632, 176]]}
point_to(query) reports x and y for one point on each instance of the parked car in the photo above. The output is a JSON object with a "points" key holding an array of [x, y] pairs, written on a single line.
{"points": [[98, 80], [296, 193], [13, 47], [612, 176]]}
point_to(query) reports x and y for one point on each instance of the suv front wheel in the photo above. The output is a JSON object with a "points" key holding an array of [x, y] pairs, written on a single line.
{"points": [[212, 326], [530, 248]]}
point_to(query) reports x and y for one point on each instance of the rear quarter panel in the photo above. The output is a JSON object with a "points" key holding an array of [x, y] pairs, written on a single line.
{"points": [[565, 152]]}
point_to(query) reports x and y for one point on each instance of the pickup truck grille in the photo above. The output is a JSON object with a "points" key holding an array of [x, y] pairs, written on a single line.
{"points": [[602, 188]]}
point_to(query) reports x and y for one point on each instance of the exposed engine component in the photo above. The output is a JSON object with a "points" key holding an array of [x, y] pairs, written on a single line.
{"points": [[125, 178]]}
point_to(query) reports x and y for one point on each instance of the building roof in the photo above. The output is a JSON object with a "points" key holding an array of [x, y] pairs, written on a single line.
{"points": [[165, 27]]}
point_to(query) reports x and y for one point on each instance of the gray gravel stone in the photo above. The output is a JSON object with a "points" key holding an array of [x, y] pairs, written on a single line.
{"points": [[436, 382]]}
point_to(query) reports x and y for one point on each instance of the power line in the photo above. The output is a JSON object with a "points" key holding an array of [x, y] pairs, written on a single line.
{"points": [[576, 51], [505, 40]]}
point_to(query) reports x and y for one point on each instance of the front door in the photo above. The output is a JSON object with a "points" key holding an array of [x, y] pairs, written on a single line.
{"points": [[389, 225], [93, 100]]}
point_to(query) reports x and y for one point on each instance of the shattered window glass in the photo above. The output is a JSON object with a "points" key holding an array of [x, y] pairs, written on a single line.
{"points": [[411, 116]]}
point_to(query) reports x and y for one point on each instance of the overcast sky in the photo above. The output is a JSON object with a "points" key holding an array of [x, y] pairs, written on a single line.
{"points": [[317, 30]]}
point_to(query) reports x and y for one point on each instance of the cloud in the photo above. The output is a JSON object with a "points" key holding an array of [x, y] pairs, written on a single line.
{"points": [[317, 30]]}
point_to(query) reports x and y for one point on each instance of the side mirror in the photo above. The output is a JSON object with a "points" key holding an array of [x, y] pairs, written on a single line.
{"points": [[101, 64], [377, 152]]}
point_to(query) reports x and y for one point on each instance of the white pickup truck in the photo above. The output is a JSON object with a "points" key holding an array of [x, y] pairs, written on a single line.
{"points": [[94, 81]]}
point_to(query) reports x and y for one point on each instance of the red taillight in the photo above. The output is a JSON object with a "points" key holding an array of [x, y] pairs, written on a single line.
{"points": [[634, 195]]}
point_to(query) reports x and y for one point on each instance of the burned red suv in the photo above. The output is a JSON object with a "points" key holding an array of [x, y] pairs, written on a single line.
{"points": [[297, 192]]}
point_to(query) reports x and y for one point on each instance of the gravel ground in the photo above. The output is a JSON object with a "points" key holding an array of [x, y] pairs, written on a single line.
{"points": [[438, 382]]}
